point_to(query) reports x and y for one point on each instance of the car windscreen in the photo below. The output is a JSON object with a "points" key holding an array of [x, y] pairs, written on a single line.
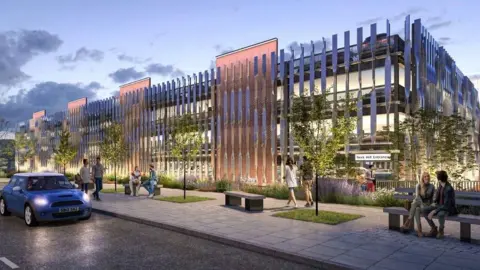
{"points": [[48, 183]]}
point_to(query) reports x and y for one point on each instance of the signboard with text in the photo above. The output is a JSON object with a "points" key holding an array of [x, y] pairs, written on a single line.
{"points": [[372, 157]]}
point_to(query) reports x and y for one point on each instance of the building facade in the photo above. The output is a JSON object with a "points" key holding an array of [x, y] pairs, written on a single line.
{"points": [[241, 106]]}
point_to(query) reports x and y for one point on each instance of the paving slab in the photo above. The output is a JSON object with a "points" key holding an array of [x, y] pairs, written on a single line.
{"points": [[365, 243]]}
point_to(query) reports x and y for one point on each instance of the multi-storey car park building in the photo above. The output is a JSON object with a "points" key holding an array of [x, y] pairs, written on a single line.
{"points": [[241, 105]]}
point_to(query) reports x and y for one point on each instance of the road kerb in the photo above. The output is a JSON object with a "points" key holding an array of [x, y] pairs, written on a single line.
{"points": [[232, 242]]}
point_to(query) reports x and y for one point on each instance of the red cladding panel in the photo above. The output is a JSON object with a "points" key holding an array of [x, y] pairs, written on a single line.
{"points": [[129, 87]]}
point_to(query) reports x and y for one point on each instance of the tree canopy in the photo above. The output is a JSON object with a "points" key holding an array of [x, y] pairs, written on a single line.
{"points": [[316, 134], [65, 152]]}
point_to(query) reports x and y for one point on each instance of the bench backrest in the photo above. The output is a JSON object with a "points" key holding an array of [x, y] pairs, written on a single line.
{"points": [[461, 197]]}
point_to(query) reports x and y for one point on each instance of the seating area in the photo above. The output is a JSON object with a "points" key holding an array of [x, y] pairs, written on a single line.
{"points": [[462, 198], [128, 190], [253, 202]]}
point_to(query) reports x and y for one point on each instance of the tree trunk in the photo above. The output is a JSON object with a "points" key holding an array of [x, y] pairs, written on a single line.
{"points": [[316, 194], [64, 169], [115, 176]]}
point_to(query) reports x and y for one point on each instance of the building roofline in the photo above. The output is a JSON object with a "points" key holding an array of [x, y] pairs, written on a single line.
{"points": [[137, 81], [246, 47]]}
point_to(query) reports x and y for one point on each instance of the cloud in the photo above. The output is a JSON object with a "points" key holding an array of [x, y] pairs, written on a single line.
{"points": [[370, 21], [444, 41], [396, 17], [434, 19], [438, 25], [164, 70], [474, 77], [296, 46], [131, 59], [124, 75], [50, 96], [157, 37], [220, 49], [410, 11], [20, 47], [115, 93], [82, 54]]}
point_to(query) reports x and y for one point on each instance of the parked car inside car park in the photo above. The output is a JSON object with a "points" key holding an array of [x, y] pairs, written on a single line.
{"points": [[43, 197]]}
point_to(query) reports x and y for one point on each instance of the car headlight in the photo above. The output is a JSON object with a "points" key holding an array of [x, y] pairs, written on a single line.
{"points": [[86, 197], [40, 201]]}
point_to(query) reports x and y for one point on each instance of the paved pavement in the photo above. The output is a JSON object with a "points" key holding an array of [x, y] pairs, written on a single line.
{"points": [[109, 243], [365, 243]]}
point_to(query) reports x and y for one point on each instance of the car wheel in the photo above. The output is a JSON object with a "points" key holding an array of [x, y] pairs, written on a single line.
{"points": [[29, 217], [3, 208]]}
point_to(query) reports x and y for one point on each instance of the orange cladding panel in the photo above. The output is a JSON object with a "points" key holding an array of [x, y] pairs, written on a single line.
{"points": [[129, 87], [77, 103], [266, 47], [39, 114]]}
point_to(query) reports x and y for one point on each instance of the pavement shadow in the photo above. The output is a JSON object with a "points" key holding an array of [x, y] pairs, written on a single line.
{"points": [[241, 209], [279, 209]]}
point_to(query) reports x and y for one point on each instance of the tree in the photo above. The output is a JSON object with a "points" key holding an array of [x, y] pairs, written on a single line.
{"points": [[24, 149], [114, 148], [317, 134], [4, 127], [65, 152], [7, 155], [185, 142], [429, 140]]}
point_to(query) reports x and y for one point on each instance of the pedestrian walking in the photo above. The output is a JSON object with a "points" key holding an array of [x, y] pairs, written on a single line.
{"points": [[85, 175], [291, 179], [306, 170], [97, 172]]}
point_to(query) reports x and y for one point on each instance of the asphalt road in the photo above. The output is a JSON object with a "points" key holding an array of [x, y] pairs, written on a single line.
{"points": [[111, 243]]}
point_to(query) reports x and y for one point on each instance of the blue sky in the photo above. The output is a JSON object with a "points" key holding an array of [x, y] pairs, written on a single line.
{"points": [[82, 45]]}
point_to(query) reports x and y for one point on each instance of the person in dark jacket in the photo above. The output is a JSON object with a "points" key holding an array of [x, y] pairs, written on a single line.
{"points": [[444, 205]]}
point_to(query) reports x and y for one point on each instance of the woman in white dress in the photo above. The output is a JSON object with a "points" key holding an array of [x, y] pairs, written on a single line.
{"points": [[291, 179], [135, 182]]}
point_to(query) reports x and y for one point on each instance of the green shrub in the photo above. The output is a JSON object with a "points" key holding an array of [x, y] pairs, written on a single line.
{"points": [[384, 198], [223, 185], [170, 182], [347, 199], [277, 191]]}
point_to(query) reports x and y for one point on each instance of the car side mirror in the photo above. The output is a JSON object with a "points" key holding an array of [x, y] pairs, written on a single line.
{"points": [[17, 188]]}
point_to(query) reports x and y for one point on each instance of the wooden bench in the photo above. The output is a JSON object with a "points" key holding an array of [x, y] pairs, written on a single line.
{"points": [[157, 190], [253, 202], [461, 198]]}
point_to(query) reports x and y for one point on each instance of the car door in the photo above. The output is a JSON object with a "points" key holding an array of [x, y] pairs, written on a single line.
{"points": [[18, 195], [7, 192]]}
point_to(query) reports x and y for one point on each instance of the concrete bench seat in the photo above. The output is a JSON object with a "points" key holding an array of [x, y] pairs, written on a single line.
{"points": [[461, 198], [253, 202], [128, 190]]}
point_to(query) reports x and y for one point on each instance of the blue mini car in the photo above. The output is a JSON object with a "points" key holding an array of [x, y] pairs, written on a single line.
{"points": [[42, 197]]}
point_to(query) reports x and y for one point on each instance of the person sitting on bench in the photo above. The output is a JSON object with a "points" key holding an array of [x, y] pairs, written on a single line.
{"points": [[135, 182], [444, 204], [423, 197]]}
